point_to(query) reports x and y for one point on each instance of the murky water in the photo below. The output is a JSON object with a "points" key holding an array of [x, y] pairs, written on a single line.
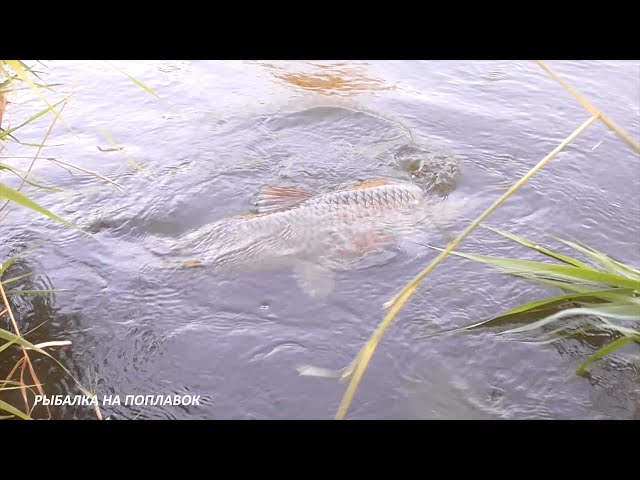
{"points": [[222, 130]]}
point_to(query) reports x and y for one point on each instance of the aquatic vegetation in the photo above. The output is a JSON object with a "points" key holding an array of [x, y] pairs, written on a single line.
{"points": [[601, 297], [16, 75]]}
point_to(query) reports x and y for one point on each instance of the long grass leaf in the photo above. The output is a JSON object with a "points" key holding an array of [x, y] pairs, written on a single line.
{"points": [[5, 133], [29, 69], [532, 245], [561, 285], [22, 73], [137, 82], [8, 88], [603, 352], [26, 202], [13, 410], [602, 295], [16, 385], [5, 265], [610, 312], [36, 145], [604, 260], [627, 332], [6, 335], [18, 173], [591, 109], [37, 292], [558, 272], [11, 260], [6, 345], [548, 306], [400, 299]]}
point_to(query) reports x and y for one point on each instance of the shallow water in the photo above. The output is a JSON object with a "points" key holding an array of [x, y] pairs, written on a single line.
{"points": [[220, 131]]}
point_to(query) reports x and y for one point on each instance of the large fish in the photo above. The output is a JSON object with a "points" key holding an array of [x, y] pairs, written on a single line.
{"points": [[313, 233]]}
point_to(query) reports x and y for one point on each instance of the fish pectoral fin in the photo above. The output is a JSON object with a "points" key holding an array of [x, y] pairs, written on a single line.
{"points": [[272, 199], [315, 280]]}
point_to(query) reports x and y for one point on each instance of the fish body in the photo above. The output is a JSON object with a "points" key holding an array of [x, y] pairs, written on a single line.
{"points": [[315, 233]]}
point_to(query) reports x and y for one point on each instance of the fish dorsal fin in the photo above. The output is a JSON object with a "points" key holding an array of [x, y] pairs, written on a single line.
{"points": [[369, 184], [272, 199]]}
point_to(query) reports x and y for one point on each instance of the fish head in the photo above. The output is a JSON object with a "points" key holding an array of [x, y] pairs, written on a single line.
{"points": [[435, 172]]}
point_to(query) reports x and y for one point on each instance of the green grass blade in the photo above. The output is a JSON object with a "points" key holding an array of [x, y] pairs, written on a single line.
{"points": [[8, 88], [5, 335], [15, 279], [613, 311], [603, 295], [543, 250], [561, 285], [623, 308], [5, 266], [11, 260], [137, 82], [49, 86], [26, 202], [10, 337], [604, 260], [567, 334], [4, 389], [17, 67], [627, 332], [603, 352], [556, 272], [36, 292], [4, 86], [13, 410], [19, 174], [6, 345], [35, 145], [15, 384], [11, 382], [549, 306], [5, 133], [29, 69], [12, 137]]}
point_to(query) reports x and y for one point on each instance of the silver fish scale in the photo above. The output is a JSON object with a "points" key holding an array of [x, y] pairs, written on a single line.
{"points": [[379, 196]]}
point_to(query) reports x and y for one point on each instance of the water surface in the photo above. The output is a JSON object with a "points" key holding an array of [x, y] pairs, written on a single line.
{"points": [[222, 130]]}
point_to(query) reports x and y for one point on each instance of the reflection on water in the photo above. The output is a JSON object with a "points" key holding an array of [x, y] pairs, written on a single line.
{"points": [[329, 79]]}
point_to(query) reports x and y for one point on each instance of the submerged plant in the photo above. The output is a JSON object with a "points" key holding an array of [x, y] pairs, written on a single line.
{"points": [[601, 296]]}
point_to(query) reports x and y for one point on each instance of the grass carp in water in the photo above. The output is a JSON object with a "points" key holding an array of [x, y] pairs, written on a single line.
{"points": [[313, 233]]}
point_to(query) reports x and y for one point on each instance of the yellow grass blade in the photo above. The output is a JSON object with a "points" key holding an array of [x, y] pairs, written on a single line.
{"points": [[401, 299], [593, 110], [13, 410], [137, 82], [17, 67]]}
